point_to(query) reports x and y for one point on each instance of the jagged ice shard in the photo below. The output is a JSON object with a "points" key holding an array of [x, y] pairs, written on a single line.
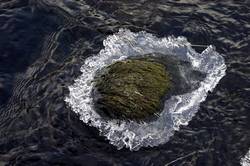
{"points": [[246, 160], [178, 110]]}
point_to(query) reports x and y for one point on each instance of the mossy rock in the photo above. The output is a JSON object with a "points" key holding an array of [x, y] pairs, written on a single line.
{"points": [[131, 89]]}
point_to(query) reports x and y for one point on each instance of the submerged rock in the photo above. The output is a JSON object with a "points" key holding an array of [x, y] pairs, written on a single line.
{"points": [[131, 89]]}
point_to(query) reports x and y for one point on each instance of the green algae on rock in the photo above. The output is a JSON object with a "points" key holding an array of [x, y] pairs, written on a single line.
{"points": [[131, 89]]}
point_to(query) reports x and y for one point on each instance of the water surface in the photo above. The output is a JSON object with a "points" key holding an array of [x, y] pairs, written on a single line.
{"points": [[44, 43]]}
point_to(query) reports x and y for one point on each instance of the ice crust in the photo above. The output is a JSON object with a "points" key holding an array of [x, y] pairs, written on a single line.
{"points": [[178, 110], [246, 160]]}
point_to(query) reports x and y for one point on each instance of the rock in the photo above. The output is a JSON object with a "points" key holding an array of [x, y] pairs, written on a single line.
{"points": [[131, 89]]}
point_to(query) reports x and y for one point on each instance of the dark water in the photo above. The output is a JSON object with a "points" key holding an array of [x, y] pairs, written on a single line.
{"points": [[43, 44]]}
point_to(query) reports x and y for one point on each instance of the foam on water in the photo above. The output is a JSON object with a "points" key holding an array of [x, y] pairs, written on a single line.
{"points": [[178, 110], [246, 160]]}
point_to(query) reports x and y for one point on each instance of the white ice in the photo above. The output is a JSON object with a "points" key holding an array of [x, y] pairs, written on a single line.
{"points": [[178, 110], [246, 160]]}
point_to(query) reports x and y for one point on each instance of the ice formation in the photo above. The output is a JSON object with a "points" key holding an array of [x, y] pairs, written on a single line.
{"points": [[178, 110]]}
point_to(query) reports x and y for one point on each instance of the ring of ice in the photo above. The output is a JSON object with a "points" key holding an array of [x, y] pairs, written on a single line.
{"points": [[178, 110]]}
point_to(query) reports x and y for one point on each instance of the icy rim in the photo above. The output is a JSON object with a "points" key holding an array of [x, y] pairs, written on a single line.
{"points": [[178, 110], [246, 160]]}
